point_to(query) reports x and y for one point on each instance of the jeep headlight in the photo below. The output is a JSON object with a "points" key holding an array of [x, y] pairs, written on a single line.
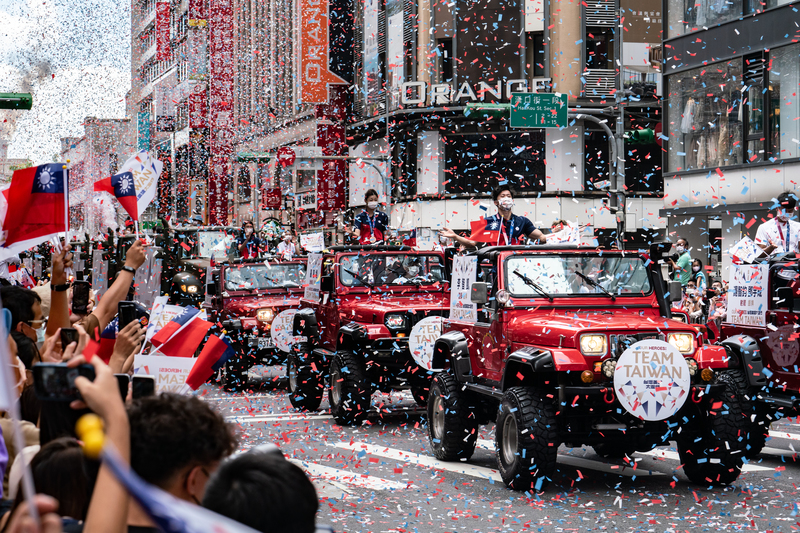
{"points": [[593, 344], [395, 321], [191, 289], [684, 342], [265, 315]]}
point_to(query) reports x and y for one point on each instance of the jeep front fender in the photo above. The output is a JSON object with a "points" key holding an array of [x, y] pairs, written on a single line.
{"points": [[744, 349], [352, 335], [305, 324], [452, 347], [523, 366]]}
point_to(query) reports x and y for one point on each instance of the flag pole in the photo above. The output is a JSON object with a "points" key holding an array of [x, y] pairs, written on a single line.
{"points": [[66, 204], [136, 226]]}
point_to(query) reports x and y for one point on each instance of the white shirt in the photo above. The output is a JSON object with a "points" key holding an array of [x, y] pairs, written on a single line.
{"points": [[286, 249], [785, 237]]}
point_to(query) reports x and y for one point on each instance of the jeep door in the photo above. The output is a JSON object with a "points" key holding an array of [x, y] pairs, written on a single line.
{"points": [[780, 346], [488, 332]]}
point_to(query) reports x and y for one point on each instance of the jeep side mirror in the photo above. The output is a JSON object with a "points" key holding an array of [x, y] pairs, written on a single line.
{"points": [[479, 293], [211, 289], [675, 291], [659, 249], [326, 284], [784, 297]]}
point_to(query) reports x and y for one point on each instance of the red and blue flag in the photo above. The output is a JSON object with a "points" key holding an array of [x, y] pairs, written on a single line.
{"points": [[123, 188], [182, 335], [215, 353], [36, 204]]}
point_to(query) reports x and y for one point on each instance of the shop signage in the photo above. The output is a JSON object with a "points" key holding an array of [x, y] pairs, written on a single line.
{"points": [[220, 108], [198, 107], [285, 156], [272, 198], [307, 200], [314, 73], [421, 93]]}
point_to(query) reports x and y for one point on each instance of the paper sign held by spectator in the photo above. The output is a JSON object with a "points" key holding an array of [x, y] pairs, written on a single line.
{"points": [[170, 372], [425, 239], [569, 235], [313, 242], [313, 277], [746, 250]]}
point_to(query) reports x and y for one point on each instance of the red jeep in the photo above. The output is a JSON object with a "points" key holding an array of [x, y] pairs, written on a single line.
{"points": [[371, 300], [762, 328], [247, 297], [574, 346]]}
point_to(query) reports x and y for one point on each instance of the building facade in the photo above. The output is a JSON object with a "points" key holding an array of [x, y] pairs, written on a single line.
{"points": [[732, 119]]}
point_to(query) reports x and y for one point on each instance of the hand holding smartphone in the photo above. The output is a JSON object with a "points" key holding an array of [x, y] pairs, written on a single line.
{"points": [[56, 382], [81, 291], [126, 313]]}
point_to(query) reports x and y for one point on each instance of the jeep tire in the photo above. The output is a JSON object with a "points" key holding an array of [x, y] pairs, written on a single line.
{"points": [[420, 394], [452, 424], [349, 391], [716, 457], [305, 383], [758, 429], [234, 377], [526, 439]]}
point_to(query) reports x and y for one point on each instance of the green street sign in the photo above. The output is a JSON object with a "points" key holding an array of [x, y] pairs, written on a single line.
{"points": [[241, 157], [16, 100], [538, 110], [487, 111]]}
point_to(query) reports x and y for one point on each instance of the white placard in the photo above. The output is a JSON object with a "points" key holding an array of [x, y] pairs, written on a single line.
{"points": [[747, 295], [313, 277], [282, 330], [422, 338], [652, 380], [461, 306], [170, 372], [746, 250], [313, 242], [425, 239]]}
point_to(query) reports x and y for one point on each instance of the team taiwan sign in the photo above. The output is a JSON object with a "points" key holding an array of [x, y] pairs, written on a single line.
{"points": [[314, 74]]}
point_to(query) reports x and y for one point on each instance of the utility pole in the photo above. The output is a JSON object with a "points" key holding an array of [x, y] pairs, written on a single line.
{"points": [[618, 199]]}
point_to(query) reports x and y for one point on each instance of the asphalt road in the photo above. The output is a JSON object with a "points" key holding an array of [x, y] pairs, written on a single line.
{"points": [[382, 477]]}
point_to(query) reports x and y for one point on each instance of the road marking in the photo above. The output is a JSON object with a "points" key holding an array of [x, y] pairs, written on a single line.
{"points": [[329, 473], [609, 468], [423, 460], [669, 454], [783, 435], [277, 418], [767, 450]]}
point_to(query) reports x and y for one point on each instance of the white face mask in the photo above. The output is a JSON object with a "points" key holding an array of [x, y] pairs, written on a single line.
{"points": [[696, 269], [40, 336], [506, 203], [372, 205], [680, 249], [413, 271], [782, 216], [248, 231], [287, 238]]}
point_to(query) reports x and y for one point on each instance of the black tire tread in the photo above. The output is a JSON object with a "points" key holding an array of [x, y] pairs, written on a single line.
{"points": [[310, 385], [356, 389], [461, 424]]}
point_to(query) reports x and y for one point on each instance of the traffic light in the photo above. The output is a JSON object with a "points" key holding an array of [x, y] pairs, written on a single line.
{"points": [[643, 136], [16, 100]]}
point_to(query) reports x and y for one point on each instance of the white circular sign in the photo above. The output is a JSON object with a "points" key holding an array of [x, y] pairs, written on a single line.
{"points": [[282, 328], [652, 380], [422, 338]]}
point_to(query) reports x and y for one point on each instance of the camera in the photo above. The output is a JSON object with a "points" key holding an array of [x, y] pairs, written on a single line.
{"points": [[674, 257]]}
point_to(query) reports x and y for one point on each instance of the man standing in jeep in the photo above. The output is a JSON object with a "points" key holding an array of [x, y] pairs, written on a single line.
{"points": [[782, 233], [513, 229]]}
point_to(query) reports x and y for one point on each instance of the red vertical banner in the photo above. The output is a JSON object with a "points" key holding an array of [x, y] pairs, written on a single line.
{"points": [[314, 73], [163, 46], [197, 13], [331, 178], [198, 107], [220, 107]]}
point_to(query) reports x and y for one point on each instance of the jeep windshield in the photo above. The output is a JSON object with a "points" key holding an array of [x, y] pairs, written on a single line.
{"points": [[390, 269], [216, 244], [576, 275], [261, 276]]}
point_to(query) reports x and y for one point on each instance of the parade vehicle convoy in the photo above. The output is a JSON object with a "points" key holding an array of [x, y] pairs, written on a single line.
{"points": [[575, 346], [374, 303], [762, 325], [248, 297]]}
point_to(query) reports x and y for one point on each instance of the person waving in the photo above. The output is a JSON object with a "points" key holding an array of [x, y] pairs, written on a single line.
{"points": [[370, 224]]}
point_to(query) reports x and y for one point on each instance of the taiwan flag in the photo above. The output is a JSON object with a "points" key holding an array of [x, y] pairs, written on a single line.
{"points": [[215, 353], [36, 205], [485, 230], [121, 186], [182, 335]]}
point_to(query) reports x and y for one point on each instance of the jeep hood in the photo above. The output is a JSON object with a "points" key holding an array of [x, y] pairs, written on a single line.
{"points": [[248, 306], [368, 310], [548, 329]]}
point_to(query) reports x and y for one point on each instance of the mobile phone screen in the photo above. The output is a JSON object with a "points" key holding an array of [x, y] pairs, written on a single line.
{"points": [[56, 382], [143, 386], [80, 297], [127, 313], [68, 336], [123, 380]]}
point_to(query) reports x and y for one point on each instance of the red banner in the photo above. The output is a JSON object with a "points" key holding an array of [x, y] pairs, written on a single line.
{"points": [[272, 198], [163, 47], [218, 180], [331, 178], [198, 107], [221, 81], [314, 73], [197, 13]]}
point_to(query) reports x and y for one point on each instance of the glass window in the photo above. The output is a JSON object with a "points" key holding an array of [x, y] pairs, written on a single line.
{"points": [[704, 117], [784, 80], [684, 16], [395, 269], [528, 276], [271, 276]]}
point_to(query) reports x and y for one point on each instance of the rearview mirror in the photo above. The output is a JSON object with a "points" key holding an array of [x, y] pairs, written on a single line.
{"points": [[211, 289], [479, 293], [784, 298], [326, 284], [675, 291]]}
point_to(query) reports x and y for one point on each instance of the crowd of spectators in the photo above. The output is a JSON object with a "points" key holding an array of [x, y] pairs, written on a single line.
{"points": [[175, 442]]}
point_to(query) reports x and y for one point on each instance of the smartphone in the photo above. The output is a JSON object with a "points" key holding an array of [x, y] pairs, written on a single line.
{"points": [[68, 336], [55, 382], [143, 386], [80, 297], [126, 313], [710, 293], [123, 380]]}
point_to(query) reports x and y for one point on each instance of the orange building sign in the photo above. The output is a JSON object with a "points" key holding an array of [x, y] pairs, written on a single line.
{"points": [[314, 73]]}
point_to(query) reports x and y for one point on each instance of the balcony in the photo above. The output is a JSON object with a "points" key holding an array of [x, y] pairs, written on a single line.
{"points": [[148, 19], [146, 55], [599, 84]]}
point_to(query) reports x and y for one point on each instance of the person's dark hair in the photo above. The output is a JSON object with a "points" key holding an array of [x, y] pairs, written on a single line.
{"points": [[170, 432], [501, 188], [787, 200], [258, 489], [61, 470], [371, 192], [29, 405], [19, 301], [26, 349], [684, 239]]}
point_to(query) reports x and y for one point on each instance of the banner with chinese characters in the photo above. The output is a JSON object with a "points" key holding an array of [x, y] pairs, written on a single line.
{"points": [[163, 46], [314, 73], [220, 140], [461, 307], [747, 295]]}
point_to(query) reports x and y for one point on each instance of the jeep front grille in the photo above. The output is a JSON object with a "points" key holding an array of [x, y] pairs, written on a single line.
{"points": [[419, 315], [620, 343]]}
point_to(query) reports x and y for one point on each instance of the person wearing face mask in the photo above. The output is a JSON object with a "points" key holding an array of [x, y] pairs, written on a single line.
{"points": [[514, 229], [248, 243], [369, 227], [286, 248], [681, 266], [781, 234], [698, 276]]}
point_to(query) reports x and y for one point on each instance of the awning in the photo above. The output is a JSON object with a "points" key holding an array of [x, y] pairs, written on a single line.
{"points": [[715, 210]]}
